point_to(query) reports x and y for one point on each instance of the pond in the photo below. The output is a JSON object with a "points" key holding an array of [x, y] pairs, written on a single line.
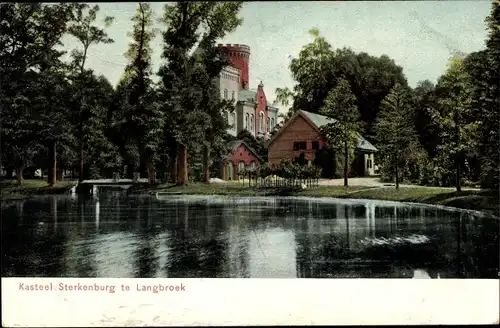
{"points": [[209, 237]]}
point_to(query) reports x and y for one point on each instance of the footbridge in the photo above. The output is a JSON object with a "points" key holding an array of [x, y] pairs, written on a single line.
{"points": [[92, 186]]}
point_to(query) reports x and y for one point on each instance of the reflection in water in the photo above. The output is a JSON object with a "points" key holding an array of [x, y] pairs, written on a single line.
{"points": [[116, 236]]}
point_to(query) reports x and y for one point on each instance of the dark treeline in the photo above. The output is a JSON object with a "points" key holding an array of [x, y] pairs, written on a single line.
{"points": [[60, 115], [442, 135]]}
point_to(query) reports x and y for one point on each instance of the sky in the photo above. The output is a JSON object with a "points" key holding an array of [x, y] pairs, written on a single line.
{"points": [[419, 35]]}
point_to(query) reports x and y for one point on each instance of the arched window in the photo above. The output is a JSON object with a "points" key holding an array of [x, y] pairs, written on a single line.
{"points": [[226, 117], [232, 95], [233, 120], [253, 166], [246, 120], [268, 123], [230, 171], [261, 121], [252, 123], [272, 123], [241, 166], [225, 93]]}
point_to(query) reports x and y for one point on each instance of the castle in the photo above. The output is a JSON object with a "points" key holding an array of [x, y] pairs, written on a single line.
{"points": [[252, 110]]}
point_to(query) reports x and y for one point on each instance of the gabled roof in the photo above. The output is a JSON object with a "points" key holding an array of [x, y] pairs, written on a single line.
{"points": [[317, 121], [234, 144]]}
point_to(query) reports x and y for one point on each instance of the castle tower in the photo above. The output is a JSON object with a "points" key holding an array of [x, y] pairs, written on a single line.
{"points": [[239, 57]]}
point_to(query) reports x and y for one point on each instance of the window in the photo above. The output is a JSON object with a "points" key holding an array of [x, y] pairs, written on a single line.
{"points": [[233, 120], [261, 121], [272, 123], [226, 117], [315, 145], [253, 166], [369, 164], [268, 123], [241, 166], [299, 145], [225, 93], [246, 120], [232, 95], [252, 123]]}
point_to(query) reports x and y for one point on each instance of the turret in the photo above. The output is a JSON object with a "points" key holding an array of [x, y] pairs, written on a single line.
{"points": [[239, 57]]}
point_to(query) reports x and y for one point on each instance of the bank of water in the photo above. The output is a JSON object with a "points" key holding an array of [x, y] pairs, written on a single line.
{"points": [[113, 235]]}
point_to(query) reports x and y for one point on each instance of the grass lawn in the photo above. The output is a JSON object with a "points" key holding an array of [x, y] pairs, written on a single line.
{"points": [[479, 200], [11, 190], [239, 189]]}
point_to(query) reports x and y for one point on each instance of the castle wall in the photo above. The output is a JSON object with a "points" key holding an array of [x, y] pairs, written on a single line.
{"points": [[239, 57], [228, 84]]}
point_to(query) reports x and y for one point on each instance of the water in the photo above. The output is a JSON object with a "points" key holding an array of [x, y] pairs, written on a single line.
{"points": [[195, 237]]}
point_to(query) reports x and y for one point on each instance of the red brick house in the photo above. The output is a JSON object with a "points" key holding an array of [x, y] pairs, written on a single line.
{"points": [[241, 156], [301, 134]]}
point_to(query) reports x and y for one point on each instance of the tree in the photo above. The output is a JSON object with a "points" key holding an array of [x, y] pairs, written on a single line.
{"points": [[184, 77], [490, 138], [396, 135], [314, 72], [84, 30], [284, 97], [142, 119], [342, 134], [318, 69], [459, 135], [102, 154], [30, 63], [223, 19], [424, 99]]}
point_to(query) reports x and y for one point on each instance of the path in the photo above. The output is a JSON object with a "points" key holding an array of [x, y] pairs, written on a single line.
{"points": [[375, 182]]}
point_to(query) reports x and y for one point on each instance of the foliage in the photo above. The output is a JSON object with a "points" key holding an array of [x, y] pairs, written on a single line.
{"points": [[342, 134], [458, 128], [32, 76], [57, 113], [88, 118], [395, 130], [319, 68], [490, 101], [187, 80], [140, 115], [284, 97]]}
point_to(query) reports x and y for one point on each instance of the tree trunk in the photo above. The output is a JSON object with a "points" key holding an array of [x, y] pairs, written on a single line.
{"points": [[457, 174], [174, 159], [397, 175], [52, 179], [206, 169], [54, 164], [19, 175], [182, 170], [80, 177], [346, 165], [151, 172]]}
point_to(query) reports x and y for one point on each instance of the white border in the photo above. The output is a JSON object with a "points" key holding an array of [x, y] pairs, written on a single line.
{"points": [[253, 302]]}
